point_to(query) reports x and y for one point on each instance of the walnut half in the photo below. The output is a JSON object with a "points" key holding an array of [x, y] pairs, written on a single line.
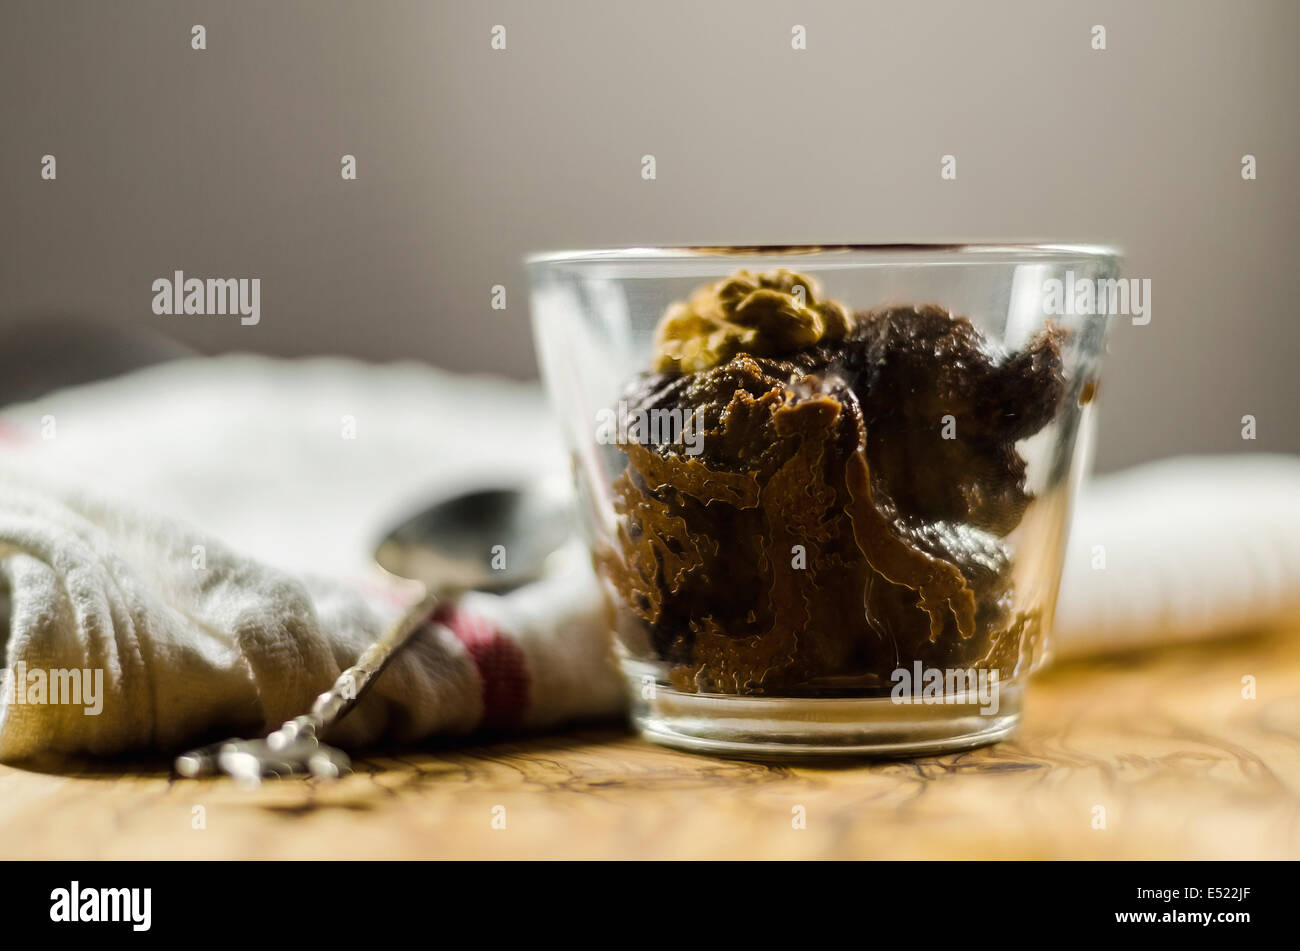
{"points": [[765, 314]]}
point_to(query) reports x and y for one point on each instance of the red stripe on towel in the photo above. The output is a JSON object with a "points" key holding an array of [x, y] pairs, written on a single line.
{"points": [[502, 669]]}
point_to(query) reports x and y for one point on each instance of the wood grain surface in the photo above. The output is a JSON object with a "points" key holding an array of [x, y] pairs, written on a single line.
{"points": [[1183, 765]]}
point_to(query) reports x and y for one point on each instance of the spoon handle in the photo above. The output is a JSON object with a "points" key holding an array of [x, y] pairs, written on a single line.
{"points": [[336, 702], [296, 747]]}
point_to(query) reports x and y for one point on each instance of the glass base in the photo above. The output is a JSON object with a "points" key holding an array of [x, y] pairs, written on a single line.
{"points": [[790, 728]]}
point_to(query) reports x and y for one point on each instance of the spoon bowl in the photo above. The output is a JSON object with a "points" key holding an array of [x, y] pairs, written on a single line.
{"points": [[491, 539]]}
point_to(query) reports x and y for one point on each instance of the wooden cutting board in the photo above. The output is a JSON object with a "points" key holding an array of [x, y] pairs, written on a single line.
{"points": [[1163, 745]]}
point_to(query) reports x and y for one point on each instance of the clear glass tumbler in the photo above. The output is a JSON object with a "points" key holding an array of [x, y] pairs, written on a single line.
{"points": [[826, 490]]}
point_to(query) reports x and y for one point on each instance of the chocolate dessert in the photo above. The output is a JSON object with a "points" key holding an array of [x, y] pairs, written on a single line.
{"points": [[844, 511]]}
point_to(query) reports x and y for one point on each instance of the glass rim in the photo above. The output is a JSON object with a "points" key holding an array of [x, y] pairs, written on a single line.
{"points": [[634, 254]]}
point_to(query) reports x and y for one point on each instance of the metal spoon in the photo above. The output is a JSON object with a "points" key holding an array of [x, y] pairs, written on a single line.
{"points": [[487, 539]]}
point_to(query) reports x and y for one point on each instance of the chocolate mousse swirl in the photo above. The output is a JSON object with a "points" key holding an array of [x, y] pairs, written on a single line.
{"points": [[826, 533]]}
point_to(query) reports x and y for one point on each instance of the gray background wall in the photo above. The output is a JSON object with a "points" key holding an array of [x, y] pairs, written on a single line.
{"points": [[225, 162]]}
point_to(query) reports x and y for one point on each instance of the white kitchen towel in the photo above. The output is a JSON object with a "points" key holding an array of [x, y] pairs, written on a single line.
{"points": [[1182, 550], [171, 637]]}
